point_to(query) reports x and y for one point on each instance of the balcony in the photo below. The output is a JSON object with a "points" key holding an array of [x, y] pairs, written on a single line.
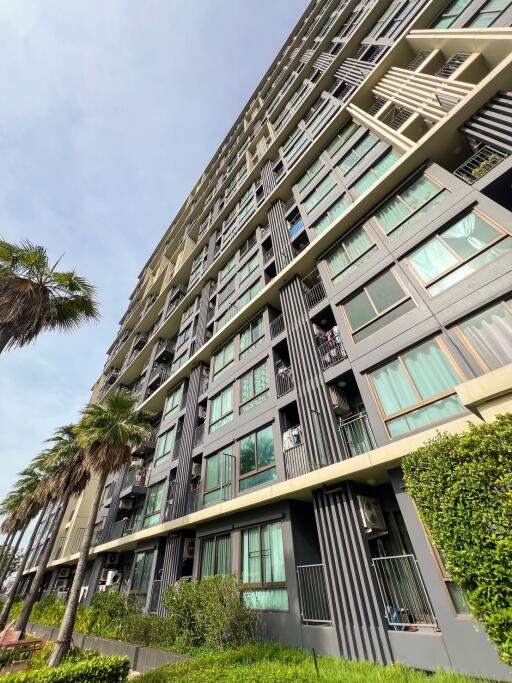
{"points": [[165, 350], [277, 326], [480, 163], [140, 341], [77, 541], [268, 255], [118, 529], [97, 536], [135, 481], [296, 228], [407, 606], [296, 461], [356, 435], [284, 379], [315, 294], [330, 348], [199, 435], [160, 372], [59, 547], [147, 445], [154, 600], [112, 376], [314, 601]]}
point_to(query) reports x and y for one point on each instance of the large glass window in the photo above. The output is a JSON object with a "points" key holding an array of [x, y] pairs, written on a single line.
{"points": [[488, 335], [340, 139], [164, 445], [222, 409], [378, 304], [227, 268], [321, 191], [249, 268], [154, 502], [360, 150], [294, 145], [218, 476], [173, 401], [489, 13], [350, 253], [142, 573], [416, 389], [339, 207], [224, 358], [311, 173], [227, 291], [457, 252], [252, 336], [409, 206], [373, 174], [248, 244], [450, 14], [216, 555], [257, 458], [250, 293], [263, 568], [253, 387]]}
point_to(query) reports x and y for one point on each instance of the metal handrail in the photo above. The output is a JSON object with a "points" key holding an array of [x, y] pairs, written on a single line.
{"points": [[315, 295], [480, 163], [284, 379], [313, 596], [277, 326]]}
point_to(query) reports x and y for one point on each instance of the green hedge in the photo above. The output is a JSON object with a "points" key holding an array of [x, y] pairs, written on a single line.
{"points": [[90, 670], [462, 487]]}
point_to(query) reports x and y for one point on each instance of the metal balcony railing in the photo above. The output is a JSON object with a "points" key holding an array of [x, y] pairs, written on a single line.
{"points": [[296, 228], [418, 60], [314, 601], [277, 326], [452, 65], [296, 461], [118, 529], [405, 598], [284, 379], [192, 500], [315, 295], [268, 255], [136, 476], [77, 542], [156, 591], [98, 534], [199, 435], [356, 434], [479, 164], [330, 349], [59, 547]]}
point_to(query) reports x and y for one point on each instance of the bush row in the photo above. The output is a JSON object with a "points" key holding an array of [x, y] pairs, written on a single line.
{"points": [[90, 670]]}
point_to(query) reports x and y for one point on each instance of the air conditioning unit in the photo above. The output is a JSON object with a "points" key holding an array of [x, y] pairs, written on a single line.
{"points": [[112, 559], [126, 504], [137, 462], [113, 577], [188, 548], [63, 573], [196, 469], [371, 514]]}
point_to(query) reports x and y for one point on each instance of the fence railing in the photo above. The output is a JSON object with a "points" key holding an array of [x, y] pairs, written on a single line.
{"points": [[268, 255], [479, 164], [296, 461], [77, 542], [277, 326], [284, 379], [59, 547], [118, 529], [331, 351], [405, 598], [357, 435], [315, 295], [199, 435], [314, 601], [136, 476]]}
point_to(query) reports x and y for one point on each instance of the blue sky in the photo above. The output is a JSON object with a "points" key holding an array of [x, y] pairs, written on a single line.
{"points": [[110, 111]]}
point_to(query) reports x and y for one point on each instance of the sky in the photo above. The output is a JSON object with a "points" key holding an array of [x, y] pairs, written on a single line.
{"points": [[110, 111]]}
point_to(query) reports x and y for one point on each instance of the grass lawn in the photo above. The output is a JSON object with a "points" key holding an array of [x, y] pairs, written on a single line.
{"points": [[271, 663]]}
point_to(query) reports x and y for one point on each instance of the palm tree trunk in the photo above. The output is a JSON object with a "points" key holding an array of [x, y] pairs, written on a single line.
{"points": [[63, 642], [11, 557], [19, 575], [22, 621], [6, 549]]}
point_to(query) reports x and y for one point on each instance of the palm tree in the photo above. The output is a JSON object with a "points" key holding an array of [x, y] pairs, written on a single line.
{"points": [[107, 432], [34, 297], [67, 475]]}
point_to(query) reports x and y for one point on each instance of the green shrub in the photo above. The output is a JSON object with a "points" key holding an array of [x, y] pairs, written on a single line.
{"points": [[90, 670], [208, 614], [462, 486]]}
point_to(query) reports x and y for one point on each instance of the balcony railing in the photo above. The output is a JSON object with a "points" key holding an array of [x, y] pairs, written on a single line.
{"points": [[314, 601], [136, 476], [98, 534], [268, 255], [406, 602], [77, 542], [59, 547], [118, 529], [284, 379], [357, 435], [199, 435], [296, 461], [479, 164], [277, 326], [296, 228], [330, 348], [156, 591], [315, 295]]}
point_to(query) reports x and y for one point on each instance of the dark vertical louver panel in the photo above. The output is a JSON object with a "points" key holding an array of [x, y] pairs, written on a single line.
{"points": [[268, 179], [279, 230], [317, 417], [351, 581], [171, 569]]}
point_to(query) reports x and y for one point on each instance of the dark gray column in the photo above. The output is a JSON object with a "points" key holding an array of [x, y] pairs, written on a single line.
{"points": [[94, 578], [280, 235], [268, 179], [171, 566], [351, 582]]}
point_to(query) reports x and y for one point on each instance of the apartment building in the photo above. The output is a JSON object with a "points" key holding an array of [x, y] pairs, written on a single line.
{"points": [[334, 291]]}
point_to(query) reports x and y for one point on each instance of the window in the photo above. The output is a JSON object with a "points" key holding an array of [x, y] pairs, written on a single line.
{"points": [[321, 117], [246, 210], [457, 597], [184, 335], [294, 145], [321, 191], [311, 173], [488, 335], [360, 150], [252, 336], [248, 268], [381, 302], [222, 409], [330, 215], [224, 358], [226, 292], [409, 206], [489, 13], [263, 570], [165, 444], [450, 14], [178, 362], [350, 253], [341, 138], [257, 459], [227, 315], [253, 387], [218, 476], [382, 20], [250, 293], [416, 389], [373, 174], [248, 244], [154, 502], [188, 311], [227, 268], [142, 573], [173, 401], [457, 252], [216, 555]]}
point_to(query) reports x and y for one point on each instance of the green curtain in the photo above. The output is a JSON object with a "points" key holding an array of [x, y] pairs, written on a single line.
{"points": [[207, 548], [275, 599], [393, 388], [439, 410], [430, 369], [223, 554]]}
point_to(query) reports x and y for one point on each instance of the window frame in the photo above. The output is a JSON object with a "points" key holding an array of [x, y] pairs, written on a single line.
{"points": [[178, 391], [221, 353], [318, 193], [226, 452], [222, 415], [341, 243], [158, 487], [257, 469], [163, 437], [242, 406], [251, 325], [215, 559], [262, 584]]}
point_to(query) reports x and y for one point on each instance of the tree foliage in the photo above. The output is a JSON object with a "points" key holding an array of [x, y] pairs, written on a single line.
{"points": [[462, 487]]}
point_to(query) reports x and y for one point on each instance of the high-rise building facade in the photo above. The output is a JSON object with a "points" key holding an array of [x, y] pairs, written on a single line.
{"points": [[334, 291]]}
